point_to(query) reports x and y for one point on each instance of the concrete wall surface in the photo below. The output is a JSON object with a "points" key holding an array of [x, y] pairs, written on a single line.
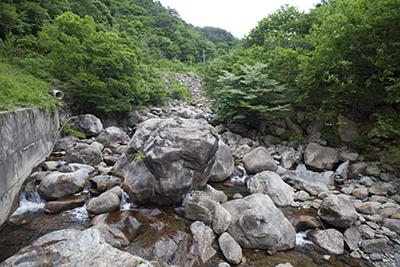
{"points": [[26, 137]]}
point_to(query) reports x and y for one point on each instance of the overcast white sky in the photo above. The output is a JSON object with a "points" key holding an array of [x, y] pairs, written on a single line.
{"points": [[236, 16]]}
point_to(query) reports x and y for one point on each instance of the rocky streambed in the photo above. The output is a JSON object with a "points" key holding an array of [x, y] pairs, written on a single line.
{"points": [[181, 192]]}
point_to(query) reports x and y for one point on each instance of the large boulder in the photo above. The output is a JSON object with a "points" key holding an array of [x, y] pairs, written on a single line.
{"points": [[85, 154], [337, 210], [167, 158], [58, 184], [112, 137], [223, 166], [259, 160], [107, 202], [331, 240], [89, 124], [271, 183], [312, 182], [320, 158], [72, 247], [258, 223]]}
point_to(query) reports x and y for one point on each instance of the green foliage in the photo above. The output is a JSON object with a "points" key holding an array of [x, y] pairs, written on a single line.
{"points": [[388, 126], [68, 130], [392, 156], [330, 133], [140, 155], [20, 89], [293, 138], [250, 96]]}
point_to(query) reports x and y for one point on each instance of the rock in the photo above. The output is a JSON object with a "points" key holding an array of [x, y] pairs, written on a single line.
{"points": [[223, 166], [50, 165], [257, 223], [302, 195], [357, 169], [338, 211], [230, 138], [270, 140], [304, 222], [89, 124], [65, 203], [284, 265], [360, 193], [223, 264], [312, 182], [366, 231], [112, 137], [199, 211], [352, 237], [347, 129], [367, 181], [348, 156], [259, 160], [72, 247], [107, 202], [331, 240], [230, 248], [167, 158], [204, 237], [368, 207], [320, 158], [270, 183], [393, 224], [65, 143], [85, 154], [372, 170], [221, 219], [290, 158], [105, 182], [382, 189], [343, 170], [374, 245], [57, 184], [375, 257]]}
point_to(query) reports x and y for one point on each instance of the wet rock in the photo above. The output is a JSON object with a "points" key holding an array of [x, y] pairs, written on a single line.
{"points": [[167, 158], [331, 240], [312, 182], [85, 154], [290, 158], [105, 182], [74, 248], [112, 137], [223, 166], [89, 124], [259, 160], [257, 223], [374, 245], [106, 202], [270, 183], [65, 203], [204, 237], [352, 237], [57, 184], [338, 211], [347, 129], [392, 224], [368, 207], [230, 248], [320, 158]]}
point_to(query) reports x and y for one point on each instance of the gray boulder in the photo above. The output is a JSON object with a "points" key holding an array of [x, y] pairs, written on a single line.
{"points": [[203, 237], [107, 202], [72, 247], [167, 158], [320, 158], [347, 129], [112, 137], [85, 154], [337, 210], [259, 160], [89, 124], [353, 238], [258, 223], [312, 182], [290, 158], [58, 184], [223, 166], [331, 240], [230, 248], [270, 183]]}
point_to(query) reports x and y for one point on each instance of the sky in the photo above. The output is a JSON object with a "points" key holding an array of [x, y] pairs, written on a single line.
{"points": [[235, 16]]}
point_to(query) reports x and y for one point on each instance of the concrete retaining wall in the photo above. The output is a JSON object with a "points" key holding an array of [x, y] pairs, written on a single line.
{"points": [[26, 137]]}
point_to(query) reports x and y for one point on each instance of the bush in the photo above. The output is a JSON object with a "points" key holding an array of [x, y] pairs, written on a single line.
{"points": [[250, 96]]}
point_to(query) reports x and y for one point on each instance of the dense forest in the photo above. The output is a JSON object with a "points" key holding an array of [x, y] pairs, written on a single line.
{"points": [[108, 56]]}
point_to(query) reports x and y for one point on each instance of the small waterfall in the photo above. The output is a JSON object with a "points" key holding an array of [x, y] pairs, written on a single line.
{"points": [[125, 202], [301, 240], [29, 202], [239, 177]]}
